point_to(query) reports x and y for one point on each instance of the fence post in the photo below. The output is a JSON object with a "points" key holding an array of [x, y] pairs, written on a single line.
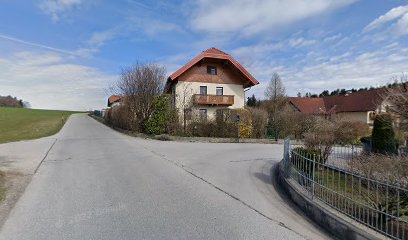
{"points": [[352, 151], [286, 157], [313, 175]]}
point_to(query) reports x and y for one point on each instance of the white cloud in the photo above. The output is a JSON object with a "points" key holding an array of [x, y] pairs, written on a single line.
{"points": [[346, 70], [401, 27], [251, 53], [253, 16], [58, 8], [332, 38], [50, 81], [98, 39], [399, 15]]}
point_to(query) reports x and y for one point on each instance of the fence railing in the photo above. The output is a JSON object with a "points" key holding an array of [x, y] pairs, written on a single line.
{"points": [[376, 204]]}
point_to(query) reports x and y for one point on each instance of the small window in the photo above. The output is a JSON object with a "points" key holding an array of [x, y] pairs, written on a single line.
{"points": [[212, 70], [219, 91], [203, 90], [203, 114]]}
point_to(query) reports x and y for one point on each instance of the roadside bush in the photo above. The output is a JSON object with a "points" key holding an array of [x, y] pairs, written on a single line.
{"points": [[387, 168], [321, 138], [383, 136], [348, 132], [119, 116], [158, 120], [225, 124], [108, 116], [259, 121], [173, 126], [245, 122]]}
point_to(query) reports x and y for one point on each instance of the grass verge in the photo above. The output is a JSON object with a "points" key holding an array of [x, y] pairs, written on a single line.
{"points": [[24, 124]]}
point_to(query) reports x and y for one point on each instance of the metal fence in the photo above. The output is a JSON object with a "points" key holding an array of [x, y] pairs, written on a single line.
{"points": [[376, 204]]}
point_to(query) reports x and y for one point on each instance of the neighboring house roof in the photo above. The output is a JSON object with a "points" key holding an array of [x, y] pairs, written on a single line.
{"points": [[308, 105], [112, 99], [363, 101], [214, 53]]}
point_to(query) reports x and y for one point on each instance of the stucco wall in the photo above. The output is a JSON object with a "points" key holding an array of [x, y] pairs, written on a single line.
{"points": [[185, 90], [354, 116]]}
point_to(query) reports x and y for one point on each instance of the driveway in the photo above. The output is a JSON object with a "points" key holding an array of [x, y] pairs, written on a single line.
{"points": [[96, 183]]}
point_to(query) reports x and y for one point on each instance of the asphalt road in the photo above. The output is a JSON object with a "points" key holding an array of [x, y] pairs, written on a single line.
{"points": [[96, 183]]}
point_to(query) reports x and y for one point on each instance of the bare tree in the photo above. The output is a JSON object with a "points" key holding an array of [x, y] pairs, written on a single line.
{"points": [[397, 97], [184, 99], [138, 85], [275, 88]]}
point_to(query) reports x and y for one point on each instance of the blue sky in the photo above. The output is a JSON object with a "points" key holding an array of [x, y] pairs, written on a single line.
{"points": [[64, 54]]}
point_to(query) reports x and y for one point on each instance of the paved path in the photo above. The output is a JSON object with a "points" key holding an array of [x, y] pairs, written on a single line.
{"points": [[96, 183]]}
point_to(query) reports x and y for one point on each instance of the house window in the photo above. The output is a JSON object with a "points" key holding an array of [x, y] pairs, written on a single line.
{"points": [[203, 90], [212, 70], [203, 114], [219, 91]]}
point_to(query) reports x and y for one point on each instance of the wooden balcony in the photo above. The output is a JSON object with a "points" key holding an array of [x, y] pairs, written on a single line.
{"points": [[209, 99]]}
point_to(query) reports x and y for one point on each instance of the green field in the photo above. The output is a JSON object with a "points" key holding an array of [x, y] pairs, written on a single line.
{"points": [[22, 123]]}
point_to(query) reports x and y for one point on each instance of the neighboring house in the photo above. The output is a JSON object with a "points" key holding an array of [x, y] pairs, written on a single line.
{"points": [[212, 80], [114, 100], [358, 106]]}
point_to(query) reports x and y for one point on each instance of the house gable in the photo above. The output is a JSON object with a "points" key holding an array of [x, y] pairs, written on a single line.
{"points": [[229, 70], [225, 74]]}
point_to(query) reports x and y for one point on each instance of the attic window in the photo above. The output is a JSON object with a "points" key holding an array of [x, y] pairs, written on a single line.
{"points": [[212, 70]]}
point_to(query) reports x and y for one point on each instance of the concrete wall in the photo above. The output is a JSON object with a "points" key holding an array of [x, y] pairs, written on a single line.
{"points": [[333, 223]]}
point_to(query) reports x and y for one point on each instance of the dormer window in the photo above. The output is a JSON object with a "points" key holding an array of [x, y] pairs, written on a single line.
{"points": [[212, 70]]}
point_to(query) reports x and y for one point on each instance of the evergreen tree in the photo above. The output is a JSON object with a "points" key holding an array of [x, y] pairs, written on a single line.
{"points": [[252, 101], [383, 136]]}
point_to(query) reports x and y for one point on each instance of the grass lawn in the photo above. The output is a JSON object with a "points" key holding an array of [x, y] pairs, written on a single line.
{"points": [[22, 123]]}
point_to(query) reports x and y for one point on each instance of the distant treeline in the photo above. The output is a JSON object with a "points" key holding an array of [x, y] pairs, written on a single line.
{"points": [[339, 92], [9, 101]]}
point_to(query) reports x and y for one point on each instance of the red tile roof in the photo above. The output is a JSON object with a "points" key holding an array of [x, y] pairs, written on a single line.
{"points": [[214, 53], [112, 99], [354, 102], [363, 101], [308, 105]]}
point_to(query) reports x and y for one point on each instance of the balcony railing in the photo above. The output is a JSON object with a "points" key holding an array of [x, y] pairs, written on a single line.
{"points": [[209, 99]]}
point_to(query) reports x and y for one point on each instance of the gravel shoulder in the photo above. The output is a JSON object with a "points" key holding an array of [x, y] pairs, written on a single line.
{"points": [[18, 163]]}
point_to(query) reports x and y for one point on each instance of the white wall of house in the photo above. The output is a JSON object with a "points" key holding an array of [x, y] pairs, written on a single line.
{"points": [[354, 116], [185, 90]]}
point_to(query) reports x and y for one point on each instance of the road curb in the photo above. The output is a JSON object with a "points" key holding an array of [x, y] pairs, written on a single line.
{"points": [[335, 225]]}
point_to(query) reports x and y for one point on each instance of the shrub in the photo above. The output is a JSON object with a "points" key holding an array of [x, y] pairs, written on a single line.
{"points": [[225, 124], [245, 122], [321, 138], [120, 117], [259, 120], [108, 116], [348, 132], [158, 120], [173, 126], [387, 168], [383, 136]]}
